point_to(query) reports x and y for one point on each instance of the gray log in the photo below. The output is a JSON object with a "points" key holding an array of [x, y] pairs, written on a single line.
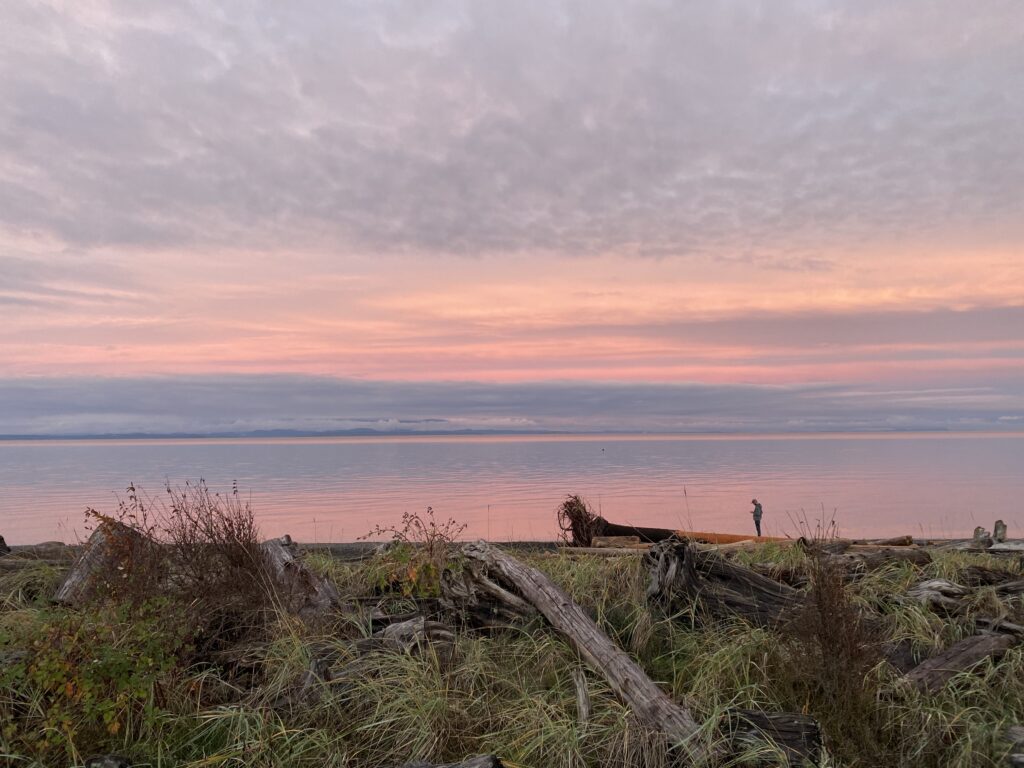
{"points": [[932, 674], [650, 704], [797, 737]]}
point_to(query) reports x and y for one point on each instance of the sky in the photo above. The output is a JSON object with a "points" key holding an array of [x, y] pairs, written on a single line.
{"points": [[628, 215]]}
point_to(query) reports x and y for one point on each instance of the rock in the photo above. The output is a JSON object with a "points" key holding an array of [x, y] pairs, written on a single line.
{"points": [[982, 538]]}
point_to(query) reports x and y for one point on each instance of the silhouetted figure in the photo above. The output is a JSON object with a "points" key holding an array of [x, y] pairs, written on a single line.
{"points": [[757, 515]]}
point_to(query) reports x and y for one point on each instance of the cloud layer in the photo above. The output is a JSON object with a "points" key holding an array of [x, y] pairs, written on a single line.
{"points": [[664, 203], [239, 404], [744, 130]]}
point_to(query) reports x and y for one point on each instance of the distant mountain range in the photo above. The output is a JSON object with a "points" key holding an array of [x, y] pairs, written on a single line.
{"points": [[367, 432]]}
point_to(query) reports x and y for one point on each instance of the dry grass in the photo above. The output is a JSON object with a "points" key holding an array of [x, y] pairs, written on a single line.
{"points": [[512, 693]]}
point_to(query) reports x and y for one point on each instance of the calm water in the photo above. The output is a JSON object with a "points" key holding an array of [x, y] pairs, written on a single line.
{"points": [[508, 487]]}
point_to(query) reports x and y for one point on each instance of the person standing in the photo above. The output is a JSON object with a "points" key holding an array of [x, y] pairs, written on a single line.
{"points": [[757, 515]]}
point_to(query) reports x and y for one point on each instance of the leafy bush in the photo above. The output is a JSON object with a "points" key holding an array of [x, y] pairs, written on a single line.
{"points": [[77, 682], [419, 552]]}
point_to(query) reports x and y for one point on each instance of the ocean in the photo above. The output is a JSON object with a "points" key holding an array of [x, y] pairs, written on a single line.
{"points": [[508, 487]]}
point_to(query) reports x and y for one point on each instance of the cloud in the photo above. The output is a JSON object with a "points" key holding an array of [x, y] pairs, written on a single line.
{"points": [[238, 404], [647, 127]]}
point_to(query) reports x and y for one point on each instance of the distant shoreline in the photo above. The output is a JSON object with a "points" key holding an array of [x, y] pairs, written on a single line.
{"points": [[625, 434]]}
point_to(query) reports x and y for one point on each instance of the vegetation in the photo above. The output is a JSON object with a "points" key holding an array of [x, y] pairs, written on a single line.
{"points": [[184, 677]]}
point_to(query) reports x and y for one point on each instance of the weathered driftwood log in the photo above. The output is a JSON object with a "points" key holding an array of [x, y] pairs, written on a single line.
{"points": [[999, 625], [861, 560], [940, 595], [824, 546], [650, 704], [481, 761], [895, 541], [1010, 588], [303, 592], [982, 576], [683, 577], [475, 594], [110, 547], [412, 636], [788, 575], [583, 706], [798, 737], [932, 674], [944, 596], [4, 549]]}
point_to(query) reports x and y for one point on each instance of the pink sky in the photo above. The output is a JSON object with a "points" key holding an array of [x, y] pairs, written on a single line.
{"points": [[474, 192]]}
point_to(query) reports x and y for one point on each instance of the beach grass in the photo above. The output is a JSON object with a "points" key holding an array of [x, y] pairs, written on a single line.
{"points": [[114, 678]]}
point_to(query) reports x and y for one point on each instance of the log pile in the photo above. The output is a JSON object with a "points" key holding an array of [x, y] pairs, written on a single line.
{"points": [[683, 577], [491, 577]]}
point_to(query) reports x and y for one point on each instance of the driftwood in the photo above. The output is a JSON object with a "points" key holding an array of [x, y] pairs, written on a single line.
{"points": [[304, 593], [682, 577], [580, 526], [982, 576], [650, 704], [860, 560], [4, 549], [946, 597], [932, 674], [583, 706], [940, 595], [618, 541], [110, 546], [895, 541], [797, 737], [412, 636], [481, 761]]}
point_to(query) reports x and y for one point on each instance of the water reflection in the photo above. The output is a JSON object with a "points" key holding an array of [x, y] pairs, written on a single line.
{"points": [[507, 487]]}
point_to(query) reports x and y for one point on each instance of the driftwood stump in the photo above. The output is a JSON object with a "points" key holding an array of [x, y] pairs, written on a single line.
{"points": [[683, 577], [490, 568], [932, 674], [110, 547]]}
